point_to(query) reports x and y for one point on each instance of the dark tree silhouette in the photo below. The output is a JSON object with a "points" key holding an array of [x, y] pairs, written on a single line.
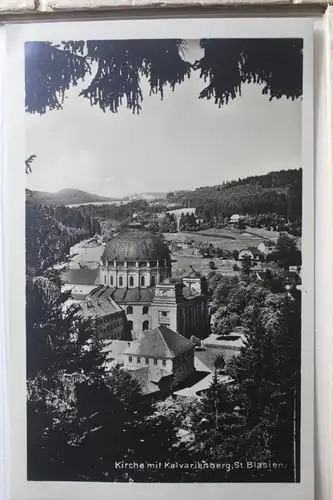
{"points": [[117, 66]]}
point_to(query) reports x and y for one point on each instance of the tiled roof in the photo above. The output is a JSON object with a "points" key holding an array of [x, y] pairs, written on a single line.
{"points": [[99, 307], [253, 250], [101, 291], [82, 276], [142, 377], [136, 245], [129, 295], [160, 343], [156, 374], [78, 291]]}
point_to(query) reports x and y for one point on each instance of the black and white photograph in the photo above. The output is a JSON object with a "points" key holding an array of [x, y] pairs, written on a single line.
{"points": [[164, 258]]}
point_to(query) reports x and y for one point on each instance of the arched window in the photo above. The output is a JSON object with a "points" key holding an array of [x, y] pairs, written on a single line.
{"points": [[142, 281], [145, 325], [131, 281], [121, 281], [145, 310], [130, 325], [129, 310], [153, 281]]}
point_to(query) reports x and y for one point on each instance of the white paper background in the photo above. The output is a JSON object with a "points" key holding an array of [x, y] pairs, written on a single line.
{"points": [[3, 406]]}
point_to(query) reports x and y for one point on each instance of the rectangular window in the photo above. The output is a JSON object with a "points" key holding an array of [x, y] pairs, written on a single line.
{"points": [[130, 359], [155, 361], [147, 361], [164, 362], [139, 360], [164, 313], [111, 280]]}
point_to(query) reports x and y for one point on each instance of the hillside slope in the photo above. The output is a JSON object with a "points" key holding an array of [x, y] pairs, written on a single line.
{"points": [[68, 196], [275, 192]]}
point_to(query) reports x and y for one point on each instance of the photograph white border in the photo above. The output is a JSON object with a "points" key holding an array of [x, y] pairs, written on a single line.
{"points": [[14, 253]]}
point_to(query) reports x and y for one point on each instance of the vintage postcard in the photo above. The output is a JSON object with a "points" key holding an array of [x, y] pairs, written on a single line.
{"points": [[160, 258]]}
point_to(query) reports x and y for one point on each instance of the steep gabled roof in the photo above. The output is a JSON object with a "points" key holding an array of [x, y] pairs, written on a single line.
{"points": [[160, 343]]}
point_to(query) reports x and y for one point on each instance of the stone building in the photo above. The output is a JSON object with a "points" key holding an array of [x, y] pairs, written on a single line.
{"points": [[252, 253], [135, 273], [135, 259], [165, 356], [266, 247], [182, 306], [108, 318]]}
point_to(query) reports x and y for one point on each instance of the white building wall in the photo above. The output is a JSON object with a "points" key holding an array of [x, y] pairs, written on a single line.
{"points": [[110, 276], [137, 317], [134, 364]]}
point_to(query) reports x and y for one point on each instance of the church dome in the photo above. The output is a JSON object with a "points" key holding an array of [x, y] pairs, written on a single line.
{"points": [[136, 245]]}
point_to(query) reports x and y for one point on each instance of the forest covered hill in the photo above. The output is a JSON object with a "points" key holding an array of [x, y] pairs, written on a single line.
{"points": [[275, 192], [68, 196]]}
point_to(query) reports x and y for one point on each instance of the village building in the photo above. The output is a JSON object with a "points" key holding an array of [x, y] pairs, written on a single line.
{"points": [[235, 218], [161, 357], [253, 253], [266, 247], [177, 245], [107, 318]]}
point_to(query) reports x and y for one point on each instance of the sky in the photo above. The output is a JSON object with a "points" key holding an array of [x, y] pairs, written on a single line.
{"points": [[181, 142]]}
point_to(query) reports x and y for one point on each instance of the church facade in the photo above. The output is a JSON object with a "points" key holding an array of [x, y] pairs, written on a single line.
{"points": [[135, 273]]}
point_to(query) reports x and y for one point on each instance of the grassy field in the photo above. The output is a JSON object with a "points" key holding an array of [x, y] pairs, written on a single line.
{"points": [[228, 239], [186, 259], [209, 354]]}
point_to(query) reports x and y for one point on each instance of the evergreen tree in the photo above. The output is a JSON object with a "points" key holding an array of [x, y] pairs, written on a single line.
{"points": [[215, 431], [286, 252], [226, 65], [267, 386]]}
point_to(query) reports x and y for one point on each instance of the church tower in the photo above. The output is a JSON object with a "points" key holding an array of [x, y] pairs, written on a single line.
{"points": [[182, 306]]}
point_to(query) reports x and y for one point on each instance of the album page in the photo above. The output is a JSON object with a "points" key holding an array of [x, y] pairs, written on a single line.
{"points": [[159, 258]]}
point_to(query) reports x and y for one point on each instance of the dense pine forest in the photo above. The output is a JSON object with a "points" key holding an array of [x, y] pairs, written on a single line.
{"points": [[51, 231], [276, 193]]}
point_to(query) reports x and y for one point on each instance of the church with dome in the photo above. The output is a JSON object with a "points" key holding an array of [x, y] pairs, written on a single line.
{"points": [[145, 316], [135, 275]]}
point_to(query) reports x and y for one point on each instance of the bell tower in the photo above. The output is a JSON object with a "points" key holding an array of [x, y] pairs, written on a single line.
{"points": [[164, 305]]}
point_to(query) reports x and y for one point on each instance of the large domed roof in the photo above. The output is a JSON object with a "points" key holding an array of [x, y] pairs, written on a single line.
{"points": [[136, 245]]}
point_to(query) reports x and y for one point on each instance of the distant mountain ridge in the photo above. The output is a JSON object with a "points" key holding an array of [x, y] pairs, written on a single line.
{"points": [[69, 196]]}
